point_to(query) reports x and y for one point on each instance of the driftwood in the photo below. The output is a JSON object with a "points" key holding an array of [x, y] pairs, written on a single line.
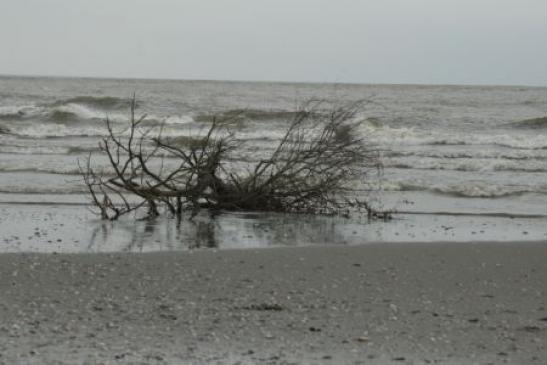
{"points": [[310, 171]]}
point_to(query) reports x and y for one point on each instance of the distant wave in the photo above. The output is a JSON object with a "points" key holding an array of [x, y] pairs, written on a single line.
{"points": [[88, 107], [52, 130], [40, 150], [59, 114], [514, 155], [468, 164], [388, 137], [480, 192], [47, 150], [446, 142], [249, 114], [71, 109], [17, 112], [84, 116], [533, 123], [61, 190], [97, 102], [501, 140], [77, 112], [45, 169], [72, 119], [466, 190], [34, 129]]}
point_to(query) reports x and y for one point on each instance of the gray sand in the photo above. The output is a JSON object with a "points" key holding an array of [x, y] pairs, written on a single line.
{"points": [[386, 303]]}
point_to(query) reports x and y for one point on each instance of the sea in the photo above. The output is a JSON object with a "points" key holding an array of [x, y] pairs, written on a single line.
{"points": [[459, 163]]}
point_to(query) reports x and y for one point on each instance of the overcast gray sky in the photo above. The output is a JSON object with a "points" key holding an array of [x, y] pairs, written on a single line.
{"points": [[363, 41]]}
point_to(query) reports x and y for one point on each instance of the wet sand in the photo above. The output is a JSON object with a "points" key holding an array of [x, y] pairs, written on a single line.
{"points": [[62, 228], [453, 303]]}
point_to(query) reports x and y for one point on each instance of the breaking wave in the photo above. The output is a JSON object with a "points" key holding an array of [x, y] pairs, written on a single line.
{"points": [[97, 102], [389, 137], [44, 169], [77, 112], [79, 108], [59, 114], [467, 190], [249, 114], [36, 150], [467, 164], [171, 129], [17, 112], [61, 190], [516, 155], [53, 130]]}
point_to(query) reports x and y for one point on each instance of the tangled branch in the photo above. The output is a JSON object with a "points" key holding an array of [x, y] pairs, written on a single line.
{"points": [[310, 170]]}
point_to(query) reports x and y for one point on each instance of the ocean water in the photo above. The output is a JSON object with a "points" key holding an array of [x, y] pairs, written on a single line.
{"points": [[447, 151]]}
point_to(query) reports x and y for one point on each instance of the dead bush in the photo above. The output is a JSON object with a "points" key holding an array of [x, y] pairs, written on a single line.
{"points": [[310, 171]]}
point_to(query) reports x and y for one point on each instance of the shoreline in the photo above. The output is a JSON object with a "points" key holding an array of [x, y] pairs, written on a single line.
{"points": [[73, 229], [419, 303]]}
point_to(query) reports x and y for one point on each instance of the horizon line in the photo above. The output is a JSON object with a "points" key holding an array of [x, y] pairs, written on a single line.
{"points": [[29, 76]]}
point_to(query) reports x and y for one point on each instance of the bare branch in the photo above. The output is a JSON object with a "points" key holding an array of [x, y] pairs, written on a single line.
{"points": [[310, 170]]}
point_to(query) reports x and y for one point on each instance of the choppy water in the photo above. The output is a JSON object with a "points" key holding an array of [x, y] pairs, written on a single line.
{"points": [[455, 149]]}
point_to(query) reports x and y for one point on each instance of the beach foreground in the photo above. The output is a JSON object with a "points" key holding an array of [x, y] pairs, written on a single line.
{"points": [[456, 303]]}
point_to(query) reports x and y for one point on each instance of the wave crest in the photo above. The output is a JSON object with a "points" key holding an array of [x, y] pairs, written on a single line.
{"points": [[17, 112], [533, 123], [386, 136], [98, 102], [249, 114], [468, 190], [467, 164]]}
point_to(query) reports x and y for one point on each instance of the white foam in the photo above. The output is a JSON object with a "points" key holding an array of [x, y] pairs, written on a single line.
{"points": [[18, 110], [480, 189], [176, 119], [33, 150], [389, 137], [466, 164], [469, 189], [80, 111], [464, 152], [45, 130]]}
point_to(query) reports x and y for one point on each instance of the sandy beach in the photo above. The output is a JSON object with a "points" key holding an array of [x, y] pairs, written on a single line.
{"points": [[454, 303], [273, 183]]}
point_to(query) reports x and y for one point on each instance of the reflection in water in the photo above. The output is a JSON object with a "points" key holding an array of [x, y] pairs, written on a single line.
{"points": [[227, 230], [62, 228], [205, 235]]}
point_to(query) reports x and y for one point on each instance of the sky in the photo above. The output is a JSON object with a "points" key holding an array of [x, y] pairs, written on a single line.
{"points": [[494, 42]]}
